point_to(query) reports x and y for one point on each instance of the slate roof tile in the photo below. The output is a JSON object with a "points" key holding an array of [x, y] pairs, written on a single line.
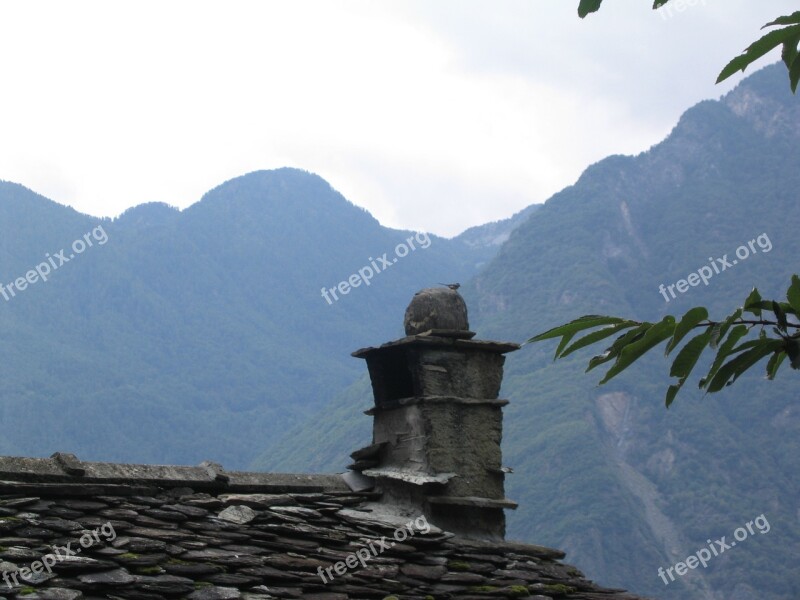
{"points": [[173, 541]]}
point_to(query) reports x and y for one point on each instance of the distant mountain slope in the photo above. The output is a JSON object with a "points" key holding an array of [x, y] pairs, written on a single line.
{"points": [[606, 473], [203, 333], [727, 174], [490, 236]]}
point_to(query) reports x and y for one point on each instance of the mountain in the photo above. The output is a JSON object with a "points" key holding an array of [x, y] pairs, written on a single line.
{"points": [[179, 336], [223, 332], [490, 236], [606, 473]]}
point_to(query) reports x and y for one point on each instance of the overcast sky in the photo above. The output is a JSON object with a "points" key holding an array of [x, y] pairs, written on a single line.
{"points": [[435, 115]]}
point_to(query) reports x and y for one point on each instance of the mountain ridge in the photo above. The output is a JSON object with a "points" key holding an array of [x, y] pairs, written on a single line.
{"points": [[202, 334], [192, 332], [607, 474]]}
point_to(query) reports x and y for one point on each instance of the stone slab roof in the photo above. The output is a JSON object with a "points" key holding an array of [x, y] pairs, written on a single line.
{"points": [[142, 532]]}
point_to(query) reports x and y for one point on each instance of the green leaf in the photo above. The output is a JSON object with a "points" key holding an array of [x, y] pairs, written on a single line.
{"points": [[752, 304], [740, 348], [731, 370], [758, 49], [596, 336], [794, 74], [672, 391], [774, 364], [726, 349], [761, 305], [793, 350], [631, 353], [689, 354], [750, 344], [599, 359], [687, 323], [720, 329], [785, 20], [564, 341], [780, 316], [613, 351], [793, 294], [659, 3], [789, 52], [588, 6], [685, 361], [585, 322]]}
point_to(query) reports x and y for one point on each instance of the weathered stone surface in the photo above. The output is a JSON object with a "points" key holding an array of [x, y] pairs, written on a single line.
{"points": [[189, 511], [207, 502], [18, 541], [131, 560], [436, 308], [276, 592], [431, 573], [165, 515], [469, 578], [233, 580], [278, 554], [270, 574], [56, 511], [111, 578], [139, 544], [58, 524], [55, 593], [119, 513], [169, 585], [18, 502], [72, 564], [257, 500], [190, 569], [20, 554], [8, 567], [210, 554], [34, 532], [159, 534], [37, 579], [82, 505], [148, 500], [8, 524], [238, 514], [293, 563], [215, 593], [150, 522]]}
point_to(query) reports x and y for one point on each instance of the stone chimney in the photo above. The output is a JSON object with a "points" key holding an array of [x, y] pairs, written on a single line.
{"points": [[438, 422]]}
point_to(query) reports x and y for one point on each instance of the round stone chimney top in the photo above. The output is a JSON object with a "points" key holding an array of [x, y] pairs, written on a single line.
{"points": [[440, 308]]}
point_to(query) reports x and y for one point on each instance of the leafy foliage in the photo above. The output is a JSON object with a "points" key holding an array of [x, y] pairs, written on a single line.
{"points": [[723, 336], [788, 37]]}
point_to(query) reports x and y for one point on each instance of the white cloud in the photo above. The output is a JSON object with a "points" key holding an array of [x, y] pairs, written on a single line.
{"points": [[434, 115]]}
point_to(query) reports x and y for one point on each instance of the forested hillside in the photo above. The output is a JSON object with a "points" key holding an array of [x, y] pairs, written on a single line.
{"points": [[607, 473], [197, 334]]}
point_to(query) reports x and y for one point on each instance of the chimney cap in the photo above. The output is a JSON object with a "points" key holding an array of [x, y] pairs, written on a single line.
{"points": [[436, 309]]}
